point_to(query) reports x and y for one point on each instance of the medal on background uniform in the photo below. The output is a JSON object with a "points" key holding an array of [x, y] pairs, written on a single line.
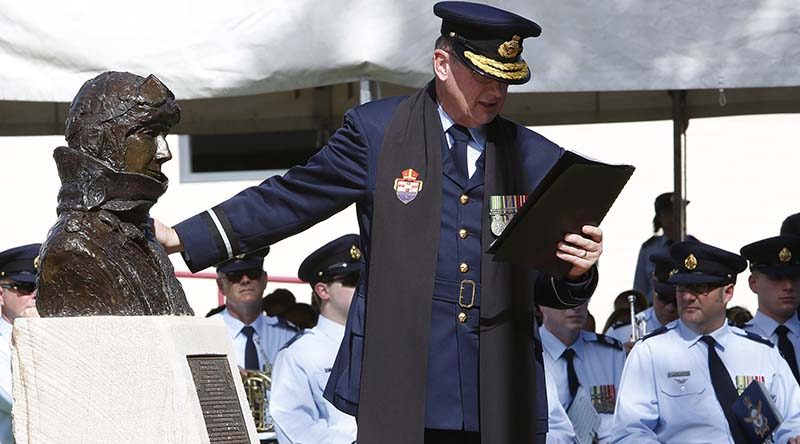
{"points": [[407, 186], [603, 398], [502, 209], [742, 381]]}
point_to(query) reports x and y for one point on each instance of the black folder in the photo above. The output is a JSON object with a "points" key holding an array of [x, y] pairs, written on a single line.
{"points": [[576, 192]]}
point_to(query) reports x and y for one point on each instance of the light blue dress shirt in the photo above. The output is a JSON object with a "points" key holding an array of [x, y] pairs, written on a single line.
{"points": [[666, 393], [271, 334], [6, 400], [301, 414], [596, 364], [560, 430], [765, 326], [475, 145]]}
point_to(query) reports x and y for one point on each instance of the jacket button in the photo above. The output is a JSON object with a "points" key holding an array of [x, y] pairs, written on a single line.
{"points": [[462, 233], [463, 267], [462, 317], [464, 199]]}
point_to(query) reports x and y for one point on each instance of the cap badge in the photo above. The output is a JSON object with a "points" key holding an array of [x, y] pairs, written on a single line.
{"points": [[355, 253], [785, 255], [511, 48], [36, 263], [407, 185], [690, 262]]}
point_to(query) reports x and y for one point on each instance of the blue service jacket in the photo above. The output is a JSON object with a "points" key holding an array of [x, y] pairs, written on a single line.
{"points": [[344, 172]]}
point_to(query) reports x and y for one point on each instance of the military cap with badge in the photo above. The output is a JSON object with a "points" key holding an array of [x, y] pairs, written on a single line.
{"points": [[777, 256], [338, 258], [664, 269], [700, 264], [18, 265], [488, 40], [237, 265]]}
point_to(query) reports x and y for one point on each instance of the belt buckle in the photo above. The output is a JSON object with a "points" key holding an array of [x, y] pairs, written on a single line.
{"points": [[461, 294]]}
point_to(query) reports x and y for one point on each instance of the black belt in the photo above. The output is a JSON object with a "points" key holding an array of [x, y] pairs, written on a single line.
{"points": [[465, 293]]}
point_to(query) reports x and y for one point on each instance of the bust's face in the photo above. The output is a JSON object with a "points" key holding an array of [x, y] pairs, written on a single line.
{"points": [[145, 150]]}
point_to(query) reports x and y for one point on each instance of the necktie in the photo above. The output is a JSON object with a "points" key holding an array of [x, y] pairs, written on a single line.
{"points": [[250, 352], [459, 149], [572, 377], [787, 350], [724, 389]]}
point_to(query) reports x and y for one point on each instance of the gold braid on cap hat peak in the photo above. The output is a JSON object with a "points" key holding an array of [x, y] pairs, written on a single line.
{"points": [[510, 71]]}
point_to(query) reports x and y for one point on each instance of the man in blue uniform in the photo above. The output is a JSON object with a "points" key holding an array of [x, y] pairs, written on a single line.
{"points": [[18, 299], [256, 338], [580, 360], [423, 171], [680, 382], [664, 309], [642, 279], [301, 372], [774, 277]]}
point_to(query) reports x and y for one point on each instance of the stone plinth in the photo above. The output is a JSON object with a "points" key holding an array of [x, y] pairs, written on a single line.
{"points": [[115, 379]]}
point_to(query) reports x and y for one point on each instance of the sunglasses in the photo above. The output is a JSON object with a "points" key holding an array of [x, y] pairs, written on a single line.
{"points": [[236, 276], [21, 287], [347, 280]]}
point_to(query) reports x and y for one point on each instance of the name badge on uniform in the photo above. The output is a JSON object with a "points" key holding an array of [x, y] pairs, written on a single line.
{"points": [[407, 185], [502, 209], [742, 381], [603, 398], [680, 377]]}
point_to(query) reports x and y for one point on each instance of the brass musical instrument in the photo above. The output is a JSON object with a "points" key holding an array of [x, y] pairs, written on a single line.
{"points": [[638, 326], [257, 386]]}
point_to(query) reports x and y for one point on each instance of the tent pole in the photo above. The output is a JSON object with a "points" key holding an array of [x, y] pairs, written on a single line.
{"points": [[680, 120], [364, 91]]}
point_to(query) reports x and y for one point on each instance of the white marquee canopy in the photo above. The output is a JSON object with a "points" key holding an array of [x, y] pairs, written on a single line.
{"points": [[593, 55]]}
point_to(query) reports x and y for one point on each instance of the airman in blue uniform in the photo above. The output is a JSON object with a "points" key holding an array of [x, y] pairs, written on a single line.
{"points": [[774, 273], [301, 413], [575, 358], [256, 338], [664, 309], [680, 382], [18, 296], [423, 189], [657, 244]]}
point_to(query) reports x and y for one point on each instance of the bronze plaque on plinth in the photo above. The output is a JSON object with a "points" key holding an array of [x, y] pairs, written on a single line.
{"points": [[218, 399]]}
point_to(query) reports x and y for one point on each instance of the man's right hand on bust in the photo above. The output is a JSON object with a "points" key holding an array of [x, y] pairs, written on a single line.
{"points": [[167, 237]]}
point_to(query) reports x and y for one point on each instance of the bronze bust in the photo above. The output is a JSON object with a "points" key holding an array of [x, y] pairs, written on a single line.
{"points": [[101, 256]]}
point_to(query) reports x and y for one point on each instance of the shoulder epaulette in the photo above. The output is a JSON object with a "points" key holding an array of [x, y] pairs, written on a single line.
{"points": [[294, 338], [753, 337], [621, 323], [650, 241], [740, 325], [660, 330], [608, 341]]}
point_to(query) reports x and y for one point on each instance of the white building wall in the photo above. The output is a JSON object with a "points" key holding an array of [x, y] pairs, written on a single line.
{"points": [[741, 183]]}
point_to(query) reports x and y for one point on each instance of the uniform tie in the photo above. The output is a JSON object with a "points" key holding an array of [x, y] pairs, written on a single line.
{"points": [[572, 377], [250, 351], [724, 389], [787, 350], [458, 151]]}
